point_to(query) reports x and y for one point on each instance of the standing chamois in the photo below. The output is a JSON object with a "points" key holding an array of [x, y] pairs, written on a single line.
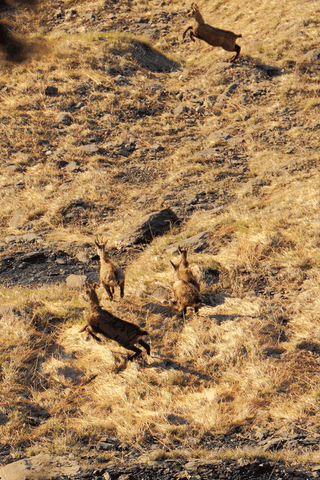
{"points": [[111, 275], [184, 271], [214, 36], [101, 321], [185, 288]]}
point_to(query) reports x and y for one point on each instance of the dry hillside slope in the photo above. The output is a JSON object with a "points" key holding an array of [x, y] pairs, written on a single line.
{"points": [[112, 116]]}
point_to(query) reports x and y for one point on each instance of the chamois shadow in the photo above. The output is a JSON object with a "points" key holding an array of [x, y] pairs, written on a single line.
{"points": [[254, 63], [220, 318], [15, 48], [164, 310], [168, 364], [214, 300], [150, 58]]}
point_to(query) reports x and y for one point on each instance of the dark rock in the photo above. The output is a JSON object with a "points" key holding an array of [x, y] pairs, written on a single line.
{"points": [[102, 446], [107, 443], [157, 148], [61, 163], [51, 90], [3, 418], [176, 420], [39, 256], [121, 80], [148, 227]]}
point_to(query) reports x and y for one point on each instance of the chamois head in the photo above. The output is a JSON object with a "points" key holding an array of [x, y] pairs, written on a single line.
{"points": [[100, 247], [183, 252], [91, 292], [195, 13], [99, 242]]}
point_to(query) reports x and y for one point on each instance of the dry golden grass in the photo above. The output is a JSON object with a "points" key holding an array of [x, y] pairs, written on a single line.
{"points": [[251, 358]]}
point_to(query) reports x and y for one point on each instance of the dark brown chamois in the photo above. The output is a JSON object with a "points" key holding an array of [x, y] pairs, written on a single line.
{"points": [[101, 321], [111, 275], [213, 36]]}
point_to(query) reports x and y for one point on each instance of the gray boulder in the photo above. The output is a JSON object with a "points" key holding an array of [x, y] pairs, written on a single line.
{"points": [[149, 226], [196, 243], [40, 467]]}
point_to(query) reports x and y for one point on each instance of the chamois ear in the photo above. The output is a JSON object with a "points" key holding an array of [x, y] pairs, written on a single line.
{"points": [[99, 242], [174, 266]]}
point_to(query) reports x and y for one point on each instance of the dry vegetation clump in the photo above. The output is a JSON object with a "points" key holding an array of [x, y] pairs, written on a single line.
{"points": [[101, 125]]}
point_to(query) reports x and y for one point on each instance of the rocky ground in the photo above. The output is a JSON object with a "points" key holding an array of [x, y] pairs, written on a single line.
{"points": [[114, 137]]}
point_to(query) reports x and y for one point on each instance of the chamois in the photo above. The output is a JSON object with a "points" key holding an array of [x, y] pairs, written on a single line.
{"points": [[101, 321], [111, 275], [184, 272], [214, 36], [185, 293]]}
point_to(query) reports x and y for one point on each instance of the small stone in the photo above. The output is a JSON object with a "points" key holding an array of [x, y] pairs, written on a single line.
{"points": [[72, 167], [76, 281], [13, 239], [4, 311], [64, 118], [180, 110], [89, 16], [105, 446], [32, 237], [82, 257], [157, 148], [16, 220], [273, 444], [313, 56], [42, 466], [91, 148]]}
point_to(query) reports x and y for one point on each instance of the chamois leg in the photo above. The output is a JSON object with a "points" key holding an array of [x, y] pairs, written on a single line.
{"points": [[236, 49], [196, 309], [90, 330], [122, 290], [134, 349], [145, 345], [108, 291], [193, 36], [191, 33]]}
